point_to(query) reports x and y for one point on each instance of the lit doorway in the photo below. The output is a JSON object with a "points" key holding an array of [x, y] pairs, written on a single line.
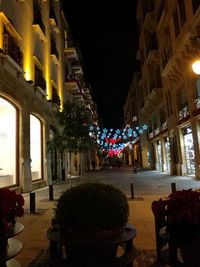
{"points": [[8, 143]]}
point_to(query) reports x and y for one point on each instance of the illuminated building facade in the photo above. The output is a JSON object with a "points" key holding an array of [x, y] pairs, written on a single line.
{"points": [[166, 90], [37, 57]]}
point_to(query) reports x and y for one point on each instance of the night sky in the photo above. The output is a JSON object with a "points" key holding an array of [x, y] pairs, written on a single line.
{"points": [[105, 32]]}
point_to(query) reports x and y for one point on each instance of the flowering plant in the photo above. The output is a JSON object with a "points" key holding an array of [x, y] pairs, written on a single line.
{"points": [[11, 207], [180, 212]]}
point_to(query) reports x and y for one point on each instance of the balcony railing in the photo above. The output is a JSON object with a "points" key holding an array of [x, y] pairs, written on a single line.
{"points": [[164, 126], [166, 56], [184, 113], [156, 131], [55, 97], [197, 103], [40, 82], [151, 135], [12, 49]]}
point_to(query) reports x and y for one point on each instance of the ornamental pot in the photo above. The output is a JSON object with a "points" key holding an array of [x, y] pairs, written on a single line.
{"points": [[190, 255], [3, 249], [97, 249]]}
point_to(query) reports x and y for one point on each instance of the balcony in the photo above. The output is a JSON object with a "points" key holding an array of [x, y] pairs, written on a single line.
{"points": [[164, 126], [40, 84], [156, 131], [153, 57], [38, 25], [196, 110], [197, 103], [153, 102], [167, 56], [11, 49], [151, 135], [71, 82], [53, 20], [150, 22], [183, 114], [78, 95], [55, 97], [71, 53]]}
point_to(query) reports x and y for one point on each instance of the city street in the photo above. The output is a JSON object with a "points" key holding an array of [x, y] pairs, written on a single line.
{"points": [[147, 185]]}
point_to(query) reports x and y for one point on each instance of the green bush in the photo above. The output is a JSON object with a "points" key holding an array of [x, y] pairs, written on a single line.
{"points": [[92, 207]]}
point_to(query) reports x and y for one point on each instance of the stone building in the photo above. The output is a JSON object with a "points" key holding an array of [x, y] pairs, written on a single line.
{"points": [[166, 90], [40, 69]]}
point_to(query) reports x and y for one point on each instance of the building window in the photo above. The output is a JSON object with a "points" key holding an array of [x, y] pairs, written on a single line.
{"points": [[179, 17], [8, 143], [11, 48], [182, 14], [39, 79], [176, 23], [55, 97], [37, 17], [198, 87], [197, 93], [36, 147], [195, 5]]}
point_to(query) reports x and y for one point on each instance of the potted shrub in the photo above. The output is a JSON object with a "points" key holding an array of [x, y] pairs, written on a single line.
{"points": [[181, 212], [92, 213]]}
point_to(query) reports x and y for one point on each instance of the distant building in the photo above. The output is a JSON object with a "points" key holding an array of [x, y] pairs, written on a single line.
{"points": [[166, 90], [40, 68]]}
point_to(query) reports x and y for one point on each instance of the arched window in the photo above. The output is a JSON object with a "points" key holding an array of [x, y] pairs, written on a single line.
{"points": [[8, 143], [36, 147]]}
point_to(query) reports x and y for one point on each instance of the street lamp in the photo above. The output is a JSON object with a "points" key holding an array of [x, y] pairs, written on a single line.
{"points": [[196, 67], [196, 64]]}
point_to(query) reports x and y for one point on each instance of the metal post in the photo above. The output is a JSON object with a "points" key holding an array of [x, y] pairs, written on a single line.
{"points": [[132, 191], [32, 202], [173, 187], [50, 192]]}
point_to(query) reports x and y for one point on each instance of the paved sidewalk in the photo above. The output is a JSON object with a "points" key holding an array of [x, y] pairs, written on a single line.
{"points": [[34, 235]]}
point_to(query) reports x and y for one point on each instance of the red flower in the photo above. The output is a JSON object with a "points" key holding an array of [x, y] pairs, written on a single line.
{"points": [[180, 211], [11, 207], [179, 207]]}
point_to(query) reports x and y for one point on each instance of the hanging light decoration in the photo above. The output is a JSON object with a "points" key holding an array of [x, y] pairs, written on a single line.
{"points": [[114, 141]]}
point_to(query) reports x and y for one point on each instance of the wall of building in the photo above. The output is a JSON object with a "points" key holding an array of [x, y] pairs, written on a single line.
{"points": [[170, 90]]}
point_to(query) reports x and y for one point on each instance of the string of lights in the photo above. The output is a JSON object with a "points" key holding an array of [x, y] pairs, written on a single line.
{"points": [[115, 140]]}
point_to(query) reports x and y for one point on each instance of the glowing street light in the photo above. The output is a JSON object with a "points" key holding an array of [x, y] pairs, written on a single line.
{"points": [[196, 67]]}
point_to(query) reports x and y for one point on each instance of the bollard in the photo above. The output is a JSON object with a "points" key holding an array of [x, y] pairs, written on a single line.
{"points": [[50, 192], [173, 187], [132, 191], [32, 202]]}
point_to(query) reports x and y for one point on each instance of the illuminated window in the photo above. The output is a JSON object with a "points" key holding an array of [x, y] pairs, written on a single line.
{"points": [[36, 147], [8, 118]]}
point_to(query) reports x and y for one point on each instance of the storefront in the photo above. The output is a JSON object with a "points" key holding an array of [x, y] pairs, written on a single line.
{"points": [[188, 150], [167, 154], [8, 143], [158, 156]]}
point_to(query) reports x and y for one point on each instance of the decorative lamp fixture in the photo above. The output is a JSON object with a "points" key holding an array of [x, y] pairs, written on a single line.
{"points": [[196, 67], [196, 64]]}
